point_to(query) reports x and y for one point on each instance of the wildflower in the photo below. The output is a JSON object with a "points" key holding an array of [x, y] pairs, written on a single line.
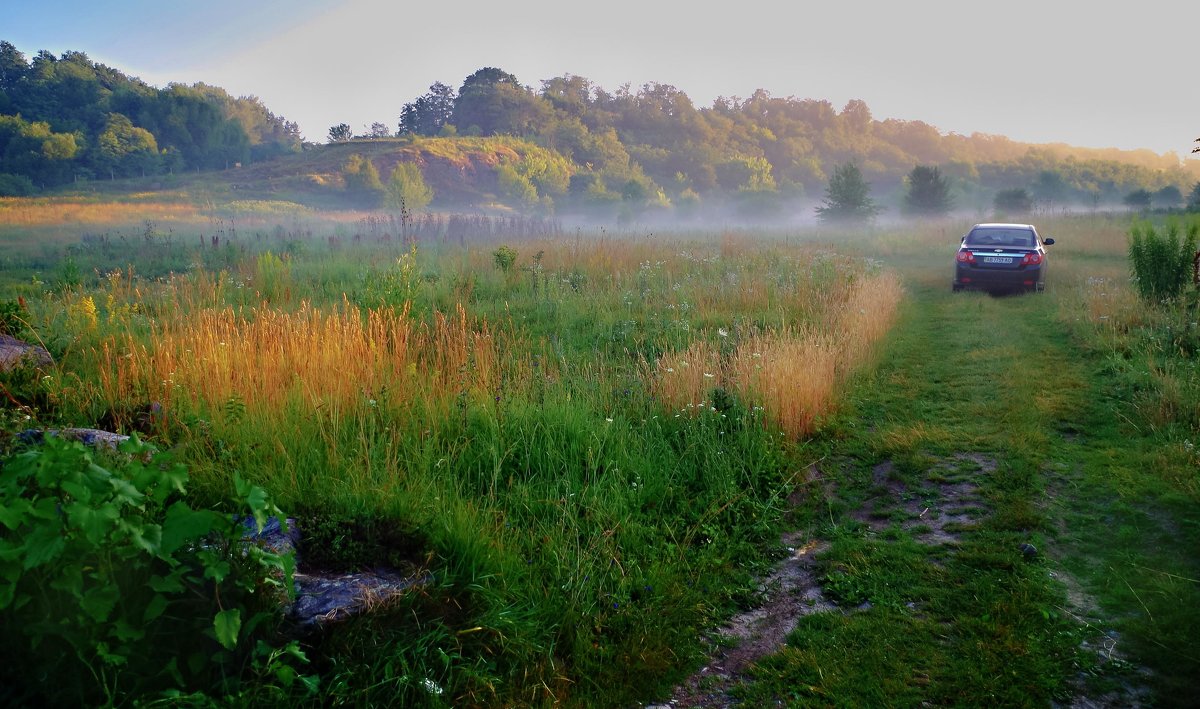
{"points": [[708, 376], [670, 369], [608, 420], [722, 332], [431, 686]]}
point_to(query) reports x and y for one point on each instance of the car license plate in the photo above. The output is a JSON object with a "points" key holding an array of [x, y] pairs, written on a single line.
{"points": [[997, 259]]}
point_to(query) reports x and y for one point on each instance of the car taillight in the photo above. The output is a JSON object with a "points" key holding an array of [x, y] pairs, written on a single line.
{"points": [[965, 256], [1032, 258]]}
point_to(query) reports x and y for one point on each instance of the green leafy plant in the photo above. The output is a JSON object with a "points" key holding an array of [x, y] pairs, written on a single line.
{"points": [[1162, 260], [113, 585], [505, 258]]}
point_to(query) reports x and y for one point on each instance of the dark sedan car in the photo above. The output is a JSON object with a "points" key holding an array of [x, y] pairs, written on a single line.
{"points": [[1001, 257]]}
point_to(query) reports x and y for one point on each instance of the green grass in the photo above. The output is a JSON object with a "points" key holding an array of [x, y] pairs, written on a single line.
{"points": [[1021, 382], [582, 537]]}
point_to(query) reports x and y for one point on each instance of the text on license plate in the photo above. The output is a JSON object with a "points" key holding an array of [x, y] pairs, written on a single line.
{"points": [[997, 259]]}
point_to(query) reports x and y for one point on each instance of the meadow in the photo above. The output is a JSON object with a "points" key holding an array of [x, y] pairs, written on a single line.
{"points": [[589, 440]]}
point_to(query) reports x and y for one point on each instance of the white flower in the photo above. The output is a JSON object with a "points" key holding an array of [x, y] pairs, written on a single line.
{"points": [[608, 420], [707, 375], [722, 332]]}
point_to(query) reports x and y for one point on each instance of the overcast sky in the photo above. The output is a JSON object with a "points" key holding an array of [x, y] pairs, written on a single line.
{"points": [[1035, 70]]}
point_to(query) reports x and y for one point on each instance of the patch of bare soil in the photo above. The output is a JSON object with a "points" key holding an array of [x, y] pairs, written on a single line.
{"points": [[1127, 687], [790, 592], [938, 511]]}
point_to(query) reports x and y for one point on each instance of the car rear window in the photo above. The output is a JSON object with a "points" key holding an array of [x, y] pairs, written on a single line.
{"points": [[1000, 237]]}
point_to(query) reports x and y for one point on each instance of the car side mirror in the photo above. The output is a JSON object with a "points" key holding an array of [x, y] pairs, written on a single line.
{"points": [[1048, 241]]}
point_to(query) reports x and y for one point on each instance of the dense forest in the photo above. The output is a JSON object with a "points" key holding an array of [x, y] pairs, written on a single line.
{"points": [[654, 141], [65, 119], [68, 119]]}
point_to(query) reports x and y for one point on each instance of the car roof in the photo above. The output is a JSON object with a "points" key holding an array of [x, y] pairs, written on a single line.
{"points": [[998, 225]]}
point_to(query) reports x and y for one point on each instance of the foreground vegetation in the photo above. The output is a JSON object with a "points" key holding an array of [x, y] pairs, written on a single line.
{"points": [[591, 443], [586, 440]]}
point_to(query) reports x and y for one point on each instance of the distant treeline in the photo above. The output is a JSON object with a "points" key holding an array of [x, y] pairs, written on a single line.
{"points": [[654, 141], [68, 118], [65, 119]]}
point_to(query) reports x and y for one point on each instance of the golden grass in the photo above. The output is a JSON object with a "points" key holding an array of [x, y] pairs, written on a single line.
{"points": [[794, 375], [335, 359], [16, 211]]}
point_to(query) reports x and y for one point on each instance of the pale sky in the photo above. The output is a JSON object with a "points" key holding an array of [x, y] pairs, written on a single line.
{"points": [[1035, 70]]}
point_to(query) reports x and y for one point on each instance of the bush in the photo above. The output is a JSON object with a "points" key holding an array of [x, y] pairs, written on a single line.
{"points": [[1162, 262], [112, 587], [15, 185]]}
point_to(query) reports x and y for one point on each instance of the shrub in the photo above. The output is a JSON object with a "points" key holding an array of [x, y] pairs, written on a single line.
{"points": [[15, 185], [1162, 261], [112, 586]]}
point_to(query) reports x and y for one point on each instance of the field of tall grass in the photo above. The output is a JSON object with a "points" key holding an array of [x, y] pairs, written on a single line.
{"points": [[588, 440], [585, 439]]}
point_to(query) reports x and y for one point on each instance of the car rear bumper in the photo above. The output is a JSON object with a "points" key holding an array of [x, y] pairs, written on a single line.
{"points": [[974, 278]]}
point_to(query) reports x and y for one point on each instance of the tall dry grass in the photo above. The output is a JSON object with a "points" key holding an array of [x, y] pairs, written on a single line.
{"points": [[334, 359], [794, 374]]}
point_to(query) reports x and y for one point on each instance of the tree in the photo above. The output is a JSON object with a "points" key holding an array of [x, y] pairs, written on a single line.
{"points": [[406, 188], [1139, 199], [927, 192], [492, 101], [428, 114], [1013, 201], [1049, 187], [340, 133], [1169, 196], [1193, 200], [125, 149], [379, 130], [362, 180], [847, 197]]}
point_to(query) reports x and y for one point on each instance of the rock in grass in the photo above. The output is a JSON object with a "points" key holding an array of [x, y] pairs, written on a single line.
{"points": [[323, 598], [328, 598], [1029, 551], [14, 352], [86, 436]]}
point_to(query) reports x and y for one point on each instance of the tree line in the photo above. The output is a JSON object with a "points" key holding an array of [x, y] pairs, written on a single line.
{"points": [[654, 142], [67, 118]]}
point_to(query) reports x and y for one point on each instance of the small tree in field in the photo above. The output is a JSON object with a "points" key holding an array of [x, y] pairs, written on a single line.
{"points": [[847, 198], [340, 133], [928, 193], [406, 188], [1193, 200]]}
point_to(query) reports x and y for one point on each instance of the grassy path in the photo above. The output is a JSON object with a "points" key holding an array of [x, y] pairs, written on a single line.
{"points": [[984, 538]]}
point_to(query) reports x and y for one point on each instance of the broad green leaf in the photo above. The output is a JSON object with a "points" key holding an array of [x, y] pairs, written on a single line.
{"points": [[42, 546], [70, 580], [154, 608], [99, 602], [95, 523], [13, 512], [147, 537], [171, 583], [216, 568], [125, 491], [183, 524], [227, 624], [125, 632]]}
